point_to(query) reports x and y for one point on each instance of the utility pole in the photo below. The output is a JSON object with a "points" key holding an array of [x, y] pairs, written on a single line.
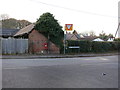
{"points": [[48, 42], [117, 29], [68, 27], [64, 41]]}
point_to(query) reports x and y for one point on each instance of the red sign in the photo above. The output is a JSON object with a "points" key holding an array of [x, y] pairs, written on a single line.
{"points": [[45, 45], [68, 27]]}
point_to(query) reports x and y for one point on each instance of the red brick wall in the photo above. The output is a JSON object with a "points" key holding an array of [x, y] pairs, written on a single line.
{"points": [[37, 41]]}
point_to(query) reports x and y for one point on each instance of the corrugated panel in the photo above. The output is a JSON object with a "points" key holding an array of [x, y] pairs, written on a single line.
{"points": [[14, 46]]}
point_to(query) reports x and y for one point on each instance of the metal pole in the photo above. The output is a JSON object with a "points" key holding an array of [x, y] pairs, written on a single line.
{"points": [[64, 41], [117, 29], [48, 42]]}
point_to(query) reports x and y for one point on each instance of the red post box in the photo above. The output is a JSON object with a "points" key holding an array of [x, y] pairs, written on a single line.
{"points": [[45, 45]]}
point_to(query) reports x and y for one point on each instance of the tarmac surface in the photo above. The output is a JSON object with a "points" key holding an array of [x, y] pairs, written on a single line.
{"points": [[75, 72]]}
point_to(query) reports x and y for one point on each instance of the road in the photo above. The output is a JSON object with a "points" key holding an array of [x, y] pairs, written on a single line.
{"points": [[82, 72]]}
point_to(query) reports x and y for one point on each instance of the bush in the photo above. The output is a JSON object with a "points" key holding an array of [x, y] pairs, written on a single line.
{"points": [[85, 46], [92, 46], [97, 47], [72, 43], [101, 47]]}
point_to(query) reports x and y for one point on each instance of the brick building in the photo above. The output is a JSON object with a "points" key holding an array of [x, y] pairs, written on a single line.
{"points": [[38, 43]]}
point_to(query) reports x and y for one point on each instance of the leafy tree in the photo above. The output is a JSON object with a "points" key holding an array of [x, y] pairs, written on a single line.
{"points": [[23, 23], [110, 35], [4, 16], [12, 23], [84, 34], [88, 33], [104, 36], [9, 23], [50, 27], [92, 33], [117, 39]]}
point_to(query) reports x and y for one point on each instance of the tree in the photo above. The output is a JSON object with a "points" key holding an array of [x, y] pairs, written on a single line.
{"points": [[50, 27], [12, 23], [117, 39], [104, 36], [22, 23], [84, 34], [110, 35], [4, 16], [88, 33], [92, 33]]}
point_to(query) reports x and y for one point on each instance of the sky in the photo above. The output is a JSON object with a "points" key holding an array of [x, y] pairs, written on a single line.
{"points": [[85, 15]]}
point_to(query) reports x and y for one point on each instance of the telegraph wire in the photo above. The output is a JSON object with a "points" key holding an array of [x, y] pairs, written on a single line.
{"points": [[86, 12]]}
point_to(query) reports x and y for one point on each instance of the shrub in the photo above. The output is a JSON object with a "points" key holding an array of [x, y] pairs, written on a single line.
{"points": [[92, 46]]}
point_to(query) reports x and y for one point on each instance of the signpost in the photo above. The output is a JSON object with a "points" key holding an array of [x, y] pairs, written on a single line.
{"points": [[68, 27], [74, 47]]}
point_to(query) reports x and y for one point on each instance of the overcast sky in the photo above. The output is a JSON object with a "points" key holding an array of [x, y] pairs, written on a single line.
{"points": [[85, 15]]}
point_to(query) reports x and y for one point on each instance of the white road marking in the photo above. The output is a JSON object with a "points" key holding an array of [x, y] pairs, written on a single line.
{"points": [[15, 68], [101, 58]]}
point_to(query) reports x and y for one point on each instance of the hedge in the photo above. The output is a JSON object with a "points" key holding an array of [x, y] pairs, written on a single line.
{"points": [[92, 46]]}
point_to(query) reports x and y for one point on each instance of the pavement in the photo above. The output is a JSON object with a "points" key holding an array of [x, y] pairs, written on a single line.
{"points": [[31, 56]]}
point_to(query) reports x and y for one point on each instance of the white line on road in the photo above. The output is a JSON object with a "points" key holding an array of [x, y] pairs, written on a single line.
{"points": [[16, 68]]}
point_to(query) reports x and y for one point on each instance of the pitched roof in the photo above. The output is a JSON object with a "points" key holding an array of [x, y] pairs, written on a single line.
{"points": [[76, 34], [68, 36], [89, 38], [110, 39], [73, 36], [8, 32], [25, 30], [98, 39]]}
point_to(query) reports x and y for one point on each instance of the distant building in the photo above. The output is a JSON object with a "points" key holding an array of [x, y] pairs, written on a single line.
{"points": [[24, 32], [110, 39], [98, 39], [76, 36], [73, 36], [6, 33], [88, 38], [70, 36], [38, 43]]}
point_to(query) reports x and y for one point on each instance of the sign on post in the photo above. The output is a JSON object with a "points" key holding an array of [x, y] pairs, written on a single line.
{"points": [[74, 47], [68, 27]]}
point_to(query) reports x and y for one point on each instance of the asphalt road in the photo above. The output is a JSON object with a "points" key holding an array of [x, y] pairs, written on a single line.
{"points": [[83, 72]]}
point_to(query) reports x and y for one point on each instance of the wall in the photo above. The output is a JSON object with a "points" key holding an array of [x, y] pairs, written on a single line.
{"points": [[53, 49], [37, 41]]}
